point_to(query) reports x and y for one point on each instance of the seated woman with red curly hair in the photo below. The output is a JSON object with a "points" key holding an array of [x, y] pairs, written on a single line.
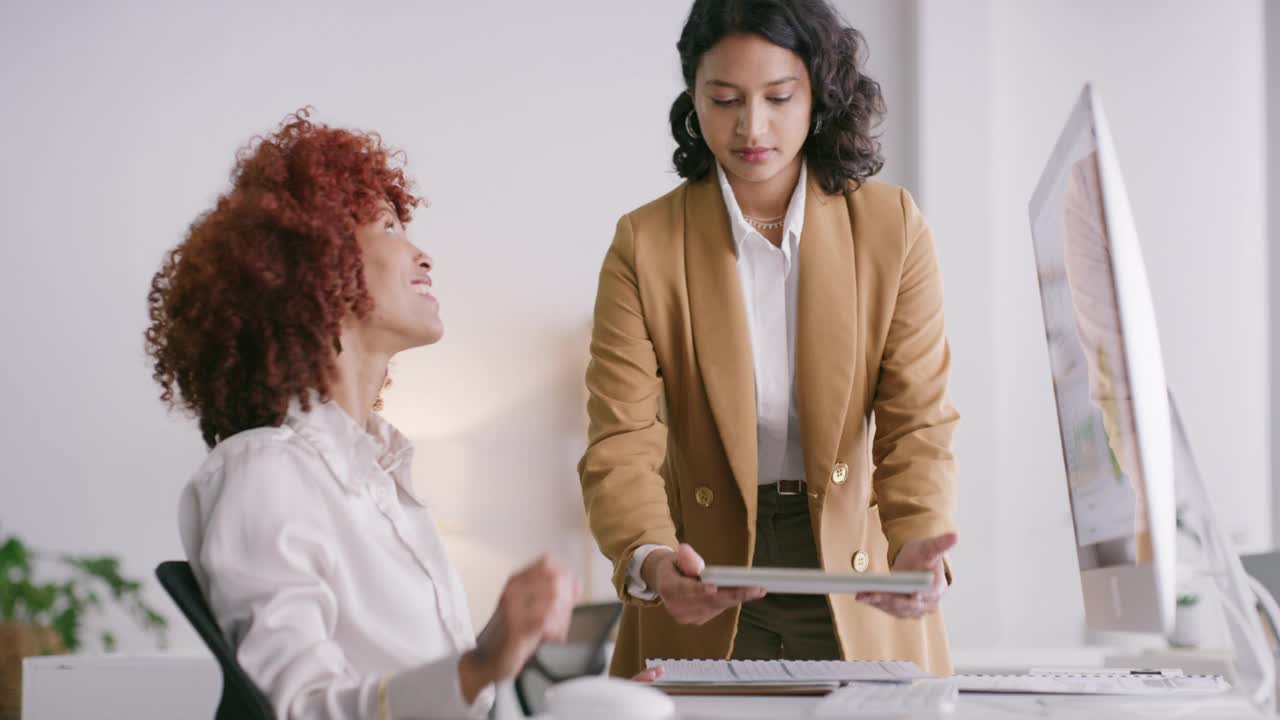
{"points": [[273, 322]]}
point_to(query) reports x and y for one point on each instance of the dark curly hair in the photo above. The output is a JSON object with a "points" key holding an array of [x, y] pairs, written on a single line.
{"points": [[847, 105], [246, 310]]}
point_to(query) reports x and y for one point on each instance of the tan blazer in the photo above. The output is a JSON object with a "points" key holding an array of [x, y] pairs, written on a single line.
{"points": [[671, 451]]}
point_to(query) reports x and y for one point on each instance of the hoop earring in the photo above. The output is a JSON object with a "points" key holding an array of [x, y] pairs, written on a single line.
{"points": [[817, 126], [688, 126]]}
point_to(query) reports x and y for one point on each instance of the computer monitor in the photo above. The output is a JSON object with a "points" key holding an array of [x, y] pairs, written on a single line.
{"points": [[1108, 379]]}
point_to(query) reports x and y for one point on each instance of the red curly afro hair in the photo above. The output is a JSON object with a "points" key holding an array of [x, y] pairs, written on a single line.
{"points": [[246, 311]]}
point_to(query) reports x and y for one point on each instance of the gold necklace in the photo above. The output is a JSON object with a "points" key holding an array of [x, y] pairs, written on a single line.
{"points": [[772, 223]]}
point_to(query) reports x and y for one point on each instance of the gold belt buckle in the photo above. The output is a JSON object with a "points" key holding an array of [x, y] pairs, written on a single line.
{"points": [[790, 487]]}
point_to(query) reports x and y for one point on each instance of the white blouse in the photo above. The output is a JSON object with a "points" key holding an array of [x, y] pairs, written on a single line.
{"points": [[770, 278], [325, 571]]}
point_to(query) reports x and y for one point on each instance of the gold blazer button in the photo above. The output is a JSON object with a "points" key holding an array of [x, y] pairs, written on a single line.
{"points": [[704, 496], [861, 561], [840, 473]]}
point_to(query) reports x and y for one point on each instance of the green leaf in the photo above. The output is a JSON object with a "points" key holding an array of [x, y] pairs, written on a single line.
{"points": [[108, 641], [40, 598], [155, 620], [8, 599], [67, 625], [15, 561], [33, 602]]}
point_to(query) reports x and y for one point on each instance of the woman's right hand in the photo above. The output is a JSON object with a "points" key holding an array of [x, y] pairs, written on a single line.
{"points": [[674, 576], [535, 607]]}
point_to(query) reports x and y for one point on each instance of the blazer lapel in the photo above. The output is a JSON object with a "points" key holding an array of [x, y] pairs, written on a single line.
{"points": [[825, 330], [721, 336]]}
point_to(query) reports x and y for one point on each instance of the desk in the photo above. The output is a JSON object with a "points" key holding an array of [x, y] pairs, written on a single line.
{"points": [[157, 686], [988, 707], [145, 687], [169, 687], [1000, 707]]}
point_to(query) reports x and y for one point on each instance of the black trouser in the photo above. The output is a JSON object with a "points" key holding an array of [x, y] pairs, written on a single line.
{"points": [[777, 626]]}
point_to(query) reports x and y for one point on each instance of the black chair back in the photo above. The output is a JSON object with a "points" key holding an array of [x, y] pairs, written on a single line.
{"points": [[241, 699]]}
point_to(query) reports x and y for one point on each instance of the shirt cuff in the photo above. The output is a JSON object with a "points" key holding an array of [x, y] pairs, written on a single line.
{"points": [[636, 586], [434, 689]]}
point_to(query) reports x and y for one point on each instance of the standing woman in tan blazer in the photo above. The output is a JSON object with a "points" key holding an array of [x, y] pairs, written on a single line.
{"points": [[768, 377]]}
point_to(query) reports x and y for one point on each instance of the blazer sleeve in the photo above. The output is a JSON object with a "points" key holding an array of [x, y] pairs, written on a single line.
{"points": [[624, 495], [914, 478]]}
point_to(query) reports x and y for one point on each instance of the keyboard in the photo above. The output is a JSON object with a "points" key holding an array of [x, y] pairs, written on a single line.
{"points": [[775, 671], [921, 698], [1093, 683]]}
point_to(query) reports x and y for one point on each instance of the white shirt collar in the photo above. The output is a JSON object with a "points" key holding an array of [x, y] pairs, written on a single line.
{"points": [[792, 224], [350, 451]]}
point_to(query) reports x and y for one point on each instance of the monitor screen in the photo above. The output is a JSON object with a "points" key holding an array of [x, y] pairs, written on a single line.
{"points": [[1086, 354]]}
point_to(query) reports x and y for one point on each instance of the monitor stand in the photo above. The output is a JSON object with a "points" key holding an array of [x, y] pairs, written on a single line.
{"points": [[1253, 672]]}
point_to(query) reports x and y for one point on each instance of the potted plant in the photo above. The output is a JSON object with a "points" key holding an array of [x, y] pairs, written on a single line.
{"points": [[1188, 619], [47, 617], [1188, 622]]}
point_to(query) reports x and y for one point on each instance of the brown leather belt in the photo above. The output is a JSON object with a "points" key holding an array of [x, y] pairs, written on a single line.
{"points": [[788, 487]]}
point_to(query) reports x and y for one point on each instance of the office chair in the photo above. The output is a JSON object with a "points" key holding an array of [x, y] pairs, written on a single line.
{"points": [[583, 653], [241, 699]]}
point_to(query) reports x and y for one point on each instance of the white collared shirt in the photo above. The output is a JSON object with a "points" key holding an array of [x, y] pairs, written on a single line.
{"points": [[325, 570], [770, 278]]}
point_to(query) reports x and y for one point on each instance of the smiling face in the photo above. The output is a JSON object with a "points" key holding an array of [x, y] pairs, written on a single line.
{"points": [[753, 100], [397, 275]]}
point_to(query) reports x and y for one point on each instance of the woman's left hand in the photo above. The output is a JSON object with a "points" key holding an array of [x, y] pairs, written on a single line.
{"points": [[923, 555], [648, 675]]}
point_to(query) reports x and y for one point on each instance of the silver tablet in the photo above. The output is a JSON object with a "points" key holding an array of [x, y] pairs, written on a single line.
{"points": [[815, 582]]}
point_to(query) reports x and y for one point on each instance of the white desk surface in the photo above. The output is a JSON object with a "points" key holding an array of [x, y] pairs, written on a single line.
{"points": [[144, 687], [986, 707], [175, 686], [999, 707]]}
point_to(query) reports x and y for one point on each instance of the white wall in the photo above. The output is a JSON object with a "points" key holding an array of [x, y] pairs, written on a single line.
{"points": [[955, 193], [1272, 63], [1182, 87], [530, 127], [121, 123], [889, 28]]}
